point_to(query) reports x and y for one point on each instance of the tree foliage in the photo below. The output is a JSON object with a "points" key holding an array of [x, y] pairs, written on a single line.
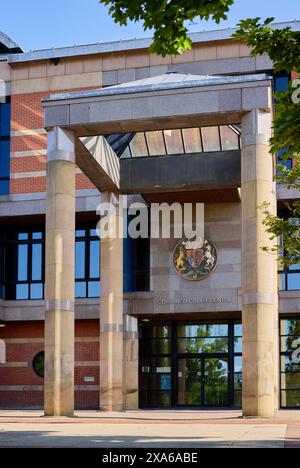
{"points": [[168, 19], [283, 47]]}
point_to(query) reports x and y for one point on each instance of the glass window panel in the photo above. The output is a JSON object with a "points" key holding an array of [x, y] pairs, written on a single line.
{"points": [[156, 143], [238, 381], [290, 381], [94, 259], [94, 289], [216, 382], [36, 262], [293, 281], [238, 364], [290, 327], [22, 262], [192, 140], [80, 260], [203, 345], [281, 281], [80, 289], [211, 139], [160, 399], [238, 329], [161, 382], [23, 236], [238, 399], [4, 187], [288, 366], [229, 139], [290, 344], [126, 153], [93, 233], [174, 142], [294, 267], [189, 381], [161, 331], [37, 235], [36, 291], [80, 233], [159, 363], [162, 346], [203, 330], [238, 345], [22, 292], [290, 398], [4, 158], [138, 146]]}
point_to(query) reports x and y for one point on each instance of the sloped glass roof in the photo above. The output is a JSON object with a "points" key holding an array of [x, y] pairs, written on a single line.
{"points": [[176, 141]]}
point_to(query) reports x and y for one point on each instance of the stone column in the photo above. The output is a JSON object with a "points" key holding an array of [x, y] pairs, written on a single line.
{"points": [[111, 312], [131, 363], [60, 253], [259, 270]]}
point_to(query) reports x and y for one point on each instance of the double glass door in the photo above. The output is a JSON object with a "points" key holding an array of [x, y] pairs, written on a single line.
{"points": [[203, 381]]}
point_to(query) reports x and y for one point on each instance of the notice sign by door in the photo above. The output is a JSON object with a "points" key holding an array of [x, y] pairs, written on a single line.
{"points": [[165, 382]]}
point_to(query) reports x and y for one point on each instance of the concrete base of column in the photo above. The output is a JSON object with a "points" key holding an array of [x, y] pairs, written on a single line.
{"points": [[259, 361]]}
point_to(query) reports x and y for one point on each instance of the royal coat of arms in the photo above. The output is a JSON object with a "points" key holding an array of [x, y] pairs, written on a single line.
{"points": [[195, 259]]}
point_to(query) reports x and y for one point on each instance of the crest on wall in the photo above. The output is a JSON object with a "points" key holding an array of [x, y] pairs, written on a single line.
{"points": [[195, 259]]}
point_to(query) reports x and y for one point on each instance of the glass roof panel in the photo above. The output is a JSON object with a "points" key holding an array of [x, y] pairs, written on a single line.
{"points": [[192, 140], [138, 146], [174, 143], [229, 138], [156, 143], [211, 139]]}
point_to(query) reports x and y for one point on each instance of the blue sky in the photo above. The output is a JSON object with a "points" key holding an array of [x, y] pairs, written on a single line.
{"points": [[66, 22]]}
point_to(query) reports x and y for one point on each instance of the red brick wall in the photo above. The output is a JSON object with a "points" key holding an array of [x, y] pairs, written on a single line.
{"points": [[23, 342], [27, 114]]}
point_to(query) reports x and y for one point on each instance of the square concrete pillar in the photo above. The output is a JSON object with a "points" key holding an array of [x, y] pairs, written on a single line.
{"points": [[111, 311], [60, 270], [131, 363], [259, 270]]}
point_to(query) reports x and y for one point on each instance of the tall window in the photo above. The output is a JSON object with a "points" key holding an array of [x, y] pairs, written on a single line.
{"points": [[87, 263], [23, 265], [290, 362], [281, 84], [4, 147]]}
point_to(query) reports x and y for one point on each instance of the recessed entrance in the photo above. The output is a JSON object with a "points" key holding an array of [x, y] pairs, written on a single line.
{"points": [[190, 364]]}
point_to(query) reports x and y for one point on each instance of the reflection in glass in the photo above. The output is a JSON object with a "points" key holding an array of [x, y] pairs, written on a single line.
{"points": [[211, 139], [203, 330], [203, 345], [229, 138], [189, 382], [36, 262], [290, 398], [216, 382], [36, 291], [94, 289], [192, 140], [22, 262], [173, 141], [22, 292], [293, 281], [80, 289], [156, 143], [138, 146], [80, 260], [162, 346], [94, 259]]}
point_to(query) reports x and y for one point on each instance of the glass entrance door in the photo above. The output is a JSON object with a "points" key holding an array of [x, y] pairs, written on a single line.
{"points": [[203, 382]]}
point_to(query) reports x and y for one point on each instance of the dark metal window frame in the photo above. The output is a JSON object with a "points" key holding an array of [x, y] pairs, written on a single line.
{"points": [[87, 239], [29, 242], [286, 354], [183, 142], [174, 355]]}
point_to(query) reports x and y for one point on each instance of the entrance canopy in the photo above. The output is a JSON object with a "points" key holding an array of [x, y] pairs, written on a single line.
{"points": [[119, 129]]}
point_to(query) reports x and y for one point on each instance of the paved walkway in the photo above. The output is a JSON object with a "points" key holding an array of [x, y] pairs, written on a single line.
{"points": [[149, 429]]}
